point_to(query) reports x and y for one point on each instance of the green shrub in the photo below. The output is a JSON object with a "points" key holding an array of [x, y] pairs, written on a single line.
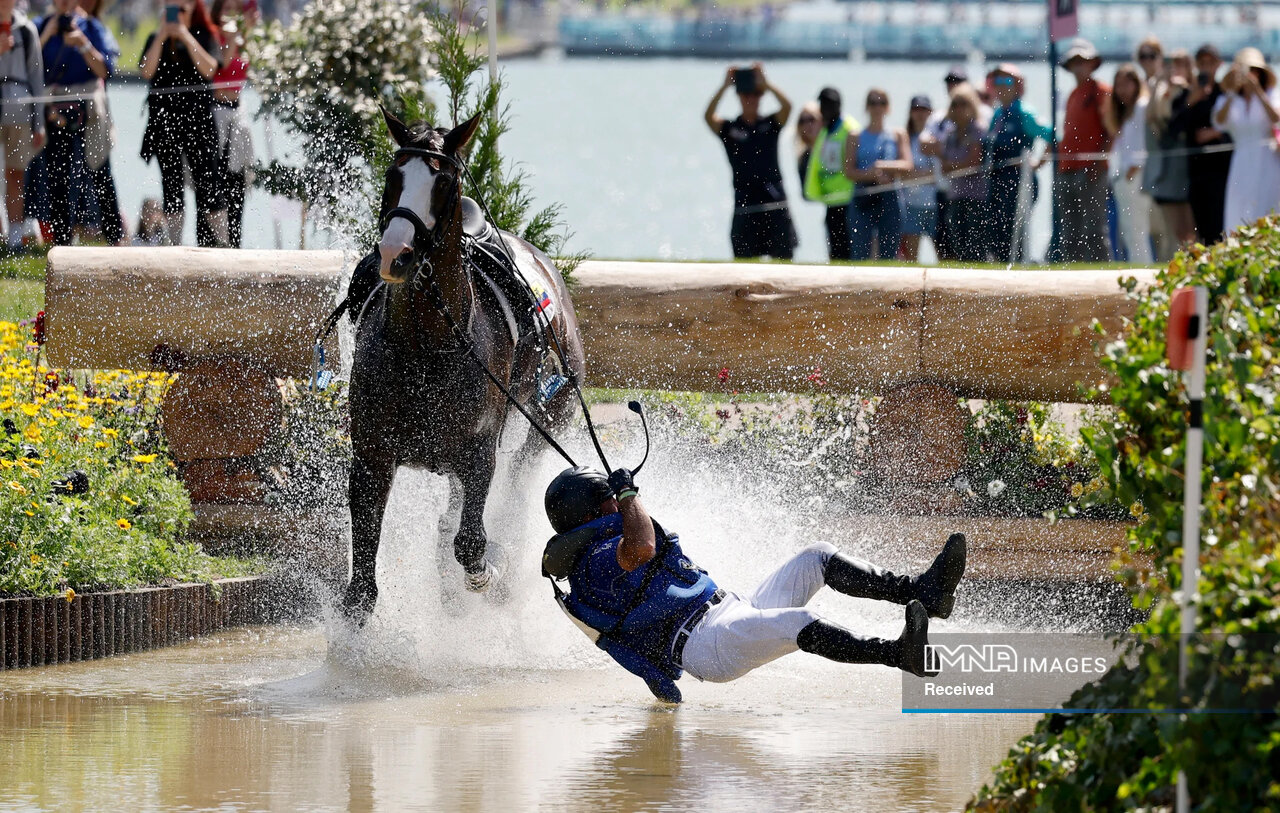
{"points": [[1232, 761]]}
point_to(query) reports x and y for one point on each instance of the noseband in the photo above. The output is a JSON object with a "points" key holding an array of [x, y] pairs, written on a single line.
{"points": [[425, 240]]}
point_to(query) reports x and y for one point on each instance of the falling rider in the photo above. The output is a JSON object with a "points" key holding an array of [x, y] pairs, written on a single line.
{"points": [[634, 591]]}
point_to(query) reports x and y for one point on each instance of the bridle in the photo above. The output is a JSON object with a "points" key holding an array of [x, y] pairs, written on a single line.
{"points": [[425, 240]]}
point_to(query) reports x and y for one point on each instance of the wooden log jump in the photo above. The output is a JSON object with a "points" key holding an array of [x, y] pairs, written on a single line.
{"points": [[922, 336], [1020, 335], [112, 308]]}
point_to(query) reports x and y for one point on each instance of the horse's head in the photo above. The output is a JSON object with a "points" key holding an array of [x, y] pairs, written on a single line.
{"points": [[422, 191]]}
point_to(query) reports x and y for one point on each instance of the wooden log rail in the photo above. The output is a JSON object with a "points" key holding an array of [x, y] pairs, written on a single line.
{"points": [[1020, 335], [983, 334], [230, 321]]}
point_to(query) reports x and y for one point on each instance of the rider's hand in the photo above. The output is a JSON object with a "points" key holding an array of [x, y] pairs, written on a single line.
{"points": [[622, 481]]}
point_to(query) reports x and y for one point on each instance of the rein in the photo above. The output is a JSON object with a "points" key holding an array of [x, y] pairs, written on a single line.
{"points": [[423, 269]]}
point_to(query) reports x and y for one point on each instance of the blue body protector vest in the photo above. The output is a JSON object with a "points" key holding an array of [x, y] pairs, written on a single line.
{"points": [[633, 616]]}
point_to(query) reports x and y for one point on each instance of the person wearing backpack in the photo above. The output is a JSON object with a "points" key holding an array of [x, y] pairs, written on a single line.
{"points": [[22, 130]]}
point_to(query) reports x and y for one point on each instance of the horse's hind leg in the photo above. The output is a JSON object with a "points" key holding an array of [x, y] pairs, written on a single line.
{"points": [[368, 486]]}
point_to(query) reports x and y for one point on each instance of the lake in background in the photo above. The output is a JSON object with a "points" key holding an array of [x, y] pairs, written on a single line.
{"points": [[621, 145]]}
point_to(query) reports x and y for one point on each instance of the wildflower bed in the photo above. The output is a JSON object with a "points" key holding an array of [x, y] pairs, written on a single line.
{"points": [[89, 499]]}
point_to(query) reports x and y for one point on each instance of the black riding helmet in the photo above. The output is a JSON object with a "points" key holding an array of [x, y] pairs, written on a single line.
{"points": [[574, 497]]}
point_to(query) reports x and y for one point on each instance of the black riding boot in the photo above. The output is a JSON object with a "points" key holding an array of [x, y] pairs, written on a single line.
{"points": [[935, 588], [363, 280], [838, 644]]}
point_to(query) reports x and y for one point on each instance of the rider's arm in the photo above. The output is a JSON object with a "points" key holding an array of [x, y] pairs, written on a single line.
{"points": [[639, 544]]}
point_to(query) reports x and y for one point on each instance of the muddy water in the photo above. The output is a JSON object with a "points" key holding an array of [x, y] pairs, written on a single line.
{"points": [[267, 719], [451, 702]]}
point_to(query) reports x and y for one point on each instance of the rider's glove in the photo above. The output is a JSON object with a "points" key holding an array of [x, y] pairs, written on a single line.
{"points": [[622, 481]]}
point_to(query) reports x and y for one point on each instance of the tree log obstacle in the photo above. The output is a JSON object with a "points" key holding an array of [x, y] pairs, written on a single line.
{"points": [[922, 336], [1020, 335]]}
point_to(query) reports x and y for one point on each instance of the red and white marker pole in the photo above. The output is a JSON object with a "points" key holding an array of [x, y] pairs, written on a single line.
{"points": [[1186, 333]]}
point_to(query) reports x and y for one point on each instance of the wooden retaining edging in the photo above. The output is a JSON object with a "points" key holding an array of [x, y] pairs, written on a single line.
{"points": [[46, 631]]}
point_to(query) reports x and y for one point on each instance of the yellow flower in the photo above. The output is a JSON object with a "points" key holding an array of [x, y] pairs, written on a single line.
{"points": [[18, 487], [144, 458], [124, 524], [1076, 489], [29, 513], [70, 594], [35, 558], [1136, 509], [128, 500], [111, 433], [85, 421], [33, 433], [101, 444], [30, 410]]}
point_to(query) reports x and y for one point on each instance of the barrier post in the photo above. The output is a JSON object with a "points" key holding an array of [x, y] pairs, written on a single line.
{"points": [[1186, 339]]}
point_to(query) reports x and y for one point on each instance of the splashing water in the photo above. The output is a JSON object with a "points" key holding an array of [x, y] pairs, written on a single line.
{"points": [[737, 525]]}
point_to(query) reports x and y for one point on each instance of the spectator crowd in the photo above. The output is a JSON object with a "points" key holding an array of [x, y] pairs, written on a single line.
{"points": [[1179, 148], [58, 134]]}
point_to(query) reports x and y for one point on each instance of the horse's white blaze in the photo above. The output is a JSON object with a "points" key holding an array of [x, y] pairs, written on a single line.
{"points": [[415, 195]]}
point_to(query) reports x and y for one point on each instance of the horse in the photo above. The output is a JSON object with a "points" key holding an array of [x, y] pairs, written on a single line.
{"points": [[420, 395]]}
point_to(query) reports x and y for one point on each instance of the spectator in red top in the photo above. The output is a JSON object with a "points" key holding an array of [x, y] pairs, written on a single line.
{"points": [[1080, 187], [235, 19]]}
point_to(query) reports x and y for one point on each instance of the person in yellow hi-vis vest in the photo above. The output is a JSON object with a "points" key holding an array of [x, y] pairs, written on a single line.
{"points": [[825, 180]]}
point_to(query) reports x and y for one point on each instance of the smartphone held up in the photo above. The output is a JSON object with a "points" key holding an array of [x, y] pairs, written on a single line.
{"points": [[745, 81]]}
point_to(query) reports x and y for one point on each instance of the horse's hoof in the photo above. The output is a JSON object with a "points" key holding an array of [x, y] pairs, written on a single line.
{"points": [[358, 603], [489, 582], [482, 580]]}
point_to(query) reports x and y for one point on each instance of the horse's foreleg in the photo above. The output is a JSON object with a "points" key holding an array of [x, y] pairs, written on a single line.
{"points": [[470, 543], [368, 486]]}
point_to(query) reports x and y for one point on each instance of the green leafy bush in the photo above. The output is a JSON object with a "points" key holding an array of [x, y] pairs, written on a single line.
{"points": [[323, 78], [1232, 761]]}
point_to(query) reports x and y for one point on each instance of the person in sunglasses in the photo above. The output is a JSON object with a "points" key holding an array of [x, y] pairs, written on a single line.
{"points": [[761, 218], [1007, 145], [641, 599]]}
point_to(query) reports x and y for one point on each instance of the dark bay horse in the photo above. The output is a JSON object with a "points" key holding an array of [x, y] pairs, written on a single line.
{"points": [[419, 396]]}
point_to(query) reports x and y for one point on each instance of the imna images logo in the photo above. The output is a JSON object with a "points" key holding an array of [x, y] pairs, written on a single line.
{"points": [[993, 658]]}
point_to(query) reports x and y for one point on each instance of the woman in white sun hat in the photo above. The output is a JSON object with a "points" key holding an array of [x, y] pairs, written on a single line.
{"points": [[1249, 110]]}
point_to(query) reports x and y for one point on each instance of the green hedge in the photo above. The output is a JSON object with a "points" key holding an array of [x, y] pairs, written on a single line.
{"points": [[1129, 761]]}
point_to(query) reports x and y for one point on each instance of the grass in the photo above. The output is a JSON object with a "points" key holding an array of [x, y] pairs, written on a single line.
{"points": [[21, 286]]}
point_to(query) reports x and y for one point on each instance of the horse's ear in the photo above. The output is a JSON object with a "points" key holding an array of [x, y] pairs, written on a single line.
{"points": [[459, 136], [398, 129]]}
